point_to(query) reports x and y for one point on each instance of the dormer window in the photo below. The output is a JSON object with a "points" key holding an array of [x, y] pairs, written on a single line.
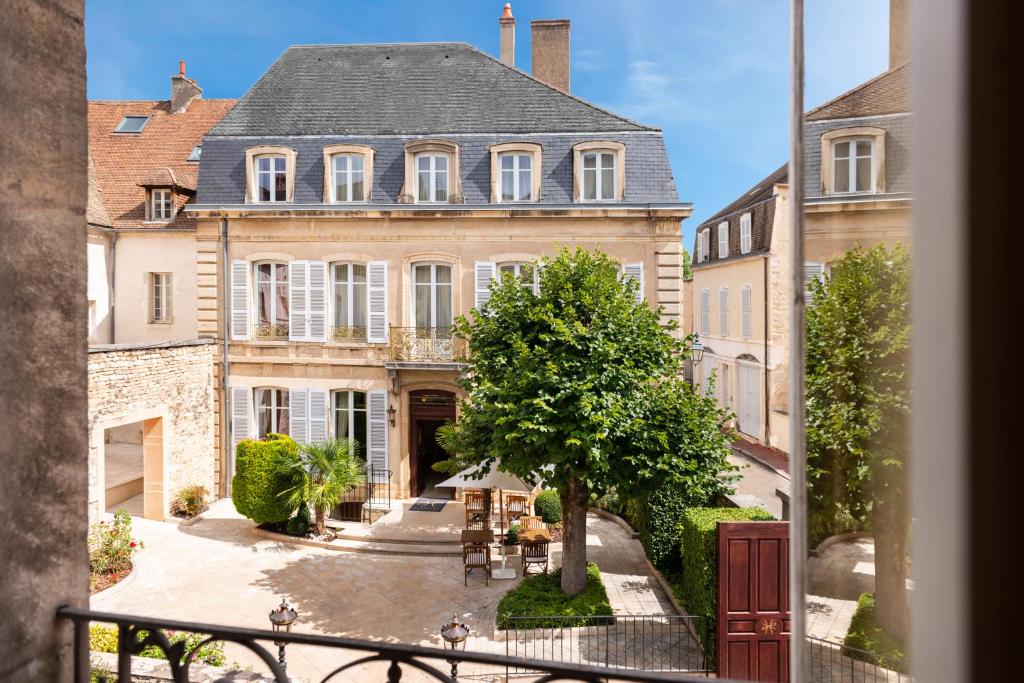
{"points": [[161, 204], [348, 173], [270, 176], [853, 160], [348, 178], [431, 173], [132, 124], [600, 176], [515, 172]]}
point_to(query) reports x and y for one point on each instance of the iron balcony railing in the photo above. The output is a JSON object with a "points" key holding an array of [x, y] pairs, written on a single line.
{"points": [[426, 345], [136, 633], [830, 662], [269, 332], [348, 333]]}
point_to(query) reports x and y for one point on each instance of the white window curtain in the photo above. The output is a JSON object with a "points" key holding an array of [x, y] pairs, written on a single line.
{"points": [[635, 271], [377, 303], [723, 239], [723, 311], [485, 272], [745, 236], [240, 299], [745, 304]]}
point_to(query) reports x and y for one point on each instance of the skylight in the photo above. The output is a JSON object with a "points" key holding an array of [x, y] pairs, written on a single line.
{"points": [[194, 154], [132, 124]]}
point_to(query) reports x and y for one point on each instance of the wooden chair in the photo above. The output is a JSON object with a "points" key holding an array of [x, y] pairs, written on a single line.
{"points": [[534, 552], [476, 553], [530, 522], [515, 507], [474, 509]]}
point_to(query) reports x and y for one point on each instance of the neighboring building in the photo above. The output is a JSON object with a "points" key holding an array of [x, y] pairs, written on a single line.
{"points": [[151, 417], [143, 164], [369, 194], [857, 192]]}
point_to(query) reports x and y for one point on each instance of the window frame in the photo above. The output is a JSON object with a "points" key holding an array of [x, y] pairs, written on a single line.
{"points": [[723, 311], [433, 285], [432, 173], [746, 232], [351, 286], [255, 298], [618, 152], [410, 188], [530, 149], [252, 155], [124, 119], [516, 172], [705, 312], [747, 312], [864, 133], [280, 402], [196, 153], [160, 284], [352, 412], [332, 151], [151, 203], [517, 268], [723, 232]]}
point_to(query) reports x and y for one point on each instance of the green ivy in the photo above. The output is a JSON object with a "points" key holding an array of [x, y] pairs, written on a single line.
{"points": [[261, 478], [698, 585]]}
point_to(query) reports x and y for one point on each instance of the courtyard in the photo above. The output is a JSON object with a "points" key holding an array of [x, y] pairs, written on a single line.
{"points": [[218, 570]]}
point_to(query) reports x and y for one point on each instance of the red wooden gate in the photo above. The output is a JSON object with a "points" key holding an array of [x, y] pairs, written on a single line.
{"points": [[753, 601]]}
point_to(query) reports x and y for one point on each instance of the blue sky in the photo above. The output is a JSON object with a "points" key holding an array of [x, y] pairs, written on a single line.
{"points": [[713, 74]]}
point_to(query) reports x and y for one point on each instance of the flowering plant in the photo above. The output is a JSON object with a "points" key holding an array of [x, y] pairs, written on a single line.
{"points": [[111, 546]]}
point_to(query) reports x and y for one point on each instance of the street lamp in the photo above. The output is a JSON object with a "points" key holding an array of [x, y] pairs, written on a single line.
{"points": [[696, 350], [281, 620], [454, 635]]}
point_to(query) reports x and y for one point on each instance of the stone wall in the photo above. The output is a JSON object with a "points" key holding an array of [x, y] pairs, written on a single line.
{"points": [[172, 381]]}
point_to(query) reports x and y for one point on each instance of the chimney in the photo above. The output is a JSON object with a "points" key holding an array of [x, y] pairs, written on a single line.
{"points": [[899, 33], [551, 52], [183, 90], [507, 36]]}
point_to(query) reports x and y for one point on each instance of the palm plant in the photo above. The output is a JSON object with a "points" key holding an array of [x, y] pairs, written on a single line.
{"points": [[324, 472]]}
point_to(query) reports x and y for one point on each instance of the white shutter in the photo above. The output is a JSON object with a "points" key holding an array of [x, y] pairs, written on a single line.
{"points": [[298, 273], [318, 411], [240, 273], [723, 239], [636, 272], [241, 416], [298, 415], [812, 271], [745, 241], [745, 307], [377, 429], [723, 312], [317, 301], [377, 302], [485, 272], [705, 313]]}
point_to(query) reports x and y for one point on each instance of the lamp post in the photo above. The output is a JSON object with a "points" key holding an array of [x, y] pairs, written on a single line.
{"points": [[281, 620], [696, 350], [454, 635]]}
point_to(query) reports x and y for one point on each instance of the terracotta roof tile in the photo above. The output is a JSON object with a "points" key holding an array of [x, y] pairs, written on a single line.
{"points": [[122, 161]]}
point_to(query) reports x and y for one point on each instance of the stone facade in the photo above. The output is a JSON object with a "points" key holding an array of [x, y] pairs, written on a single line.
{"points": [[169, 385]]}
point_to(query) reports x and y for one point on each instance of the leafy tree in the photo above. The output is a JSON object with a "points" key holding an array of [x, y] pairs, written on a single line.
{"points": [[323, 473], [686, 267], [858, 410], [579, 386]]}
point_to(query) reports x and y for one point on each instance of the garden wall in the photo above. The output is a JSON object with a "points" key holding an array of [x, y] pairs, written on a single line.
{"points": [[169, 387]]}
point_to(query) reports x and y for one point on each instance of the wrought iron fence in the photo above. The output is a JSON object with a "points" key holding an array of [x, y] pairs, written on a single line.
{"points": [[136, 633], [269, 332], [367, 502], [425, 344], [833, 663], [341, 333], [649, 643]]}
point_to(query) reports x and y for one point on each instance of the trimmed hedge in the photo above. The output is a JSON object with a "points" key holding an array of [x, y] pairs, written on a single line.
{"points": [[260, 477], [540, 595], [698, 586], [548, 505], [870, 642]]}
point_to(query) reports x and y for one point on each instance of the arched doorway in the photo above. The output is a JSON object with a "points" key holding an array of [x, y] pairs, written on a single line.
{"points": [[428, 410]]}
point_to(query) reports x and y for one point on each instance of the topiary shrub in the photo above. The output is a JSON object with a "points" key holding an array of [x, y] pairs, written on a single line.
{"points": [[698, 586], [548, 505], [261, 476], [512, 535], [300, 523]]}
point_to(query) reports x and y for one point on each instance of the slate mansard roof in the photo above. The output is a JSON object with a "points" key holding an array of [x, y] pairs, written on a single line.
{"points": [[403, 89], [385, 96]]}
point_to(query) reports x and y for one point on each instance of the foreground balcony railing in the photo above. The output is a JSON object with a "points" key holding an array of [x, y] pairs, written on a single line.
{"points": [[342, 333], [136, 633], [269, 332], [425, 345]]}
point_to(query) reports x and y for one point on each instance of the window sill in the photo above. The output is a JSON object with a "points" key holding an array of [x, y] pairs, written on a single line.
{"points": [[164, 323]]}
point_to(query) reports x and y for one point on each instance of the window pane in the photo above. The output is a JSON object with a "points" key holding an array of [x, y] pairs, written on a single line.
{"points": [[358, 305], [441, 163], [264, 191], [864, 174], [507, 162], [357, 163], [263, 163], [422, 305], [842, 181], [441, 186], [842, 150], [589, 161], [341, 296], [279, 187], [341, 189], [422, 274], [607, 161], [444, 273], [507, 268], [607, 183], [864, 148], [263, 297], [423, 163], [444, 305], [282, 417], [424, 187], [359, 400], [589, 184], [524, 185], [525, 161], [357, 187], [507, 189], [279, 164], [358, 273]]}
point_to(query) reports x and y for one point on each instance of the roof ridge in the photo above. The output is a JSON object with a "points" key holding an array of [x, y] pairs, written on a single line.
{"points": [[728, 209], [387, 44], [856, 88], [566, 94]]}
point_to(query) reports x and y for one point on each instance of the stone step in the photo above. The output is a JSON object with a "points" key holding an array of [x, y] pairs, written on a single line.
{"points": [[367, 546]]}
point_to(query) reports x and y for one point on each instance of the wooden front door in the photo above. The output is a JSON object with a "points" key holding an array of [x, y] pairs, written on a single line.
{"points": [[428, 409], [753, 601], [750, 400]]}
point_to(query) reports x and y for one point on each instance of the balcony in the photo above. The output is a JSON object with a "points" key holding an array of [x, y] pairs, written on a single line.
{"points": [[340, 333], [269, 332], [429, 345]]}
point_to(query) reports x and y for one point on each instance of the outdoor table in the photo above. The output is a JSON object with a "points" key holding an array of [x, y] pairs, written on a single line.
{"points": [[478, 536], [535, 535]]}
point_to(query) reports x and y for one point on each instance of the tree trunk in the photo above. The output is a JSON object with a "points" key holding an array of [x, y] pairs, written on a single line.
{"points": [[321, 521], [574, 536], [889, 527], [487, 508]]}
